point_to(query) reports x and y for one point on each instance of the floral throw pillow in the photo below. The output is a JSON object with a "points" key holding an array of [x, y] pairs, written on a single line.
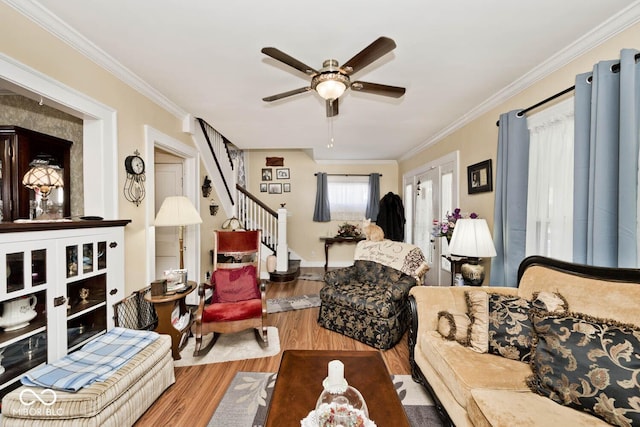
{"points": [[500, 323], [589, 364]]}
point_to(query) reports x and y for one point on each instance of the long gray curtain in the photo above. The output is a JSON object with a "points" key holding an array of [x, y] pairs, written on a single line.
{"points": [[510, 213], [373, 204], [321, 212], [607, 118]]}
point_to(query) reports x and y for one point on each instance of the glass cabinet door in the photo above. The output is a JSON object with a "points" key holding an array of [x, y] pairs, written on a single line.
{"points": [[86, 290], [23, 312]]}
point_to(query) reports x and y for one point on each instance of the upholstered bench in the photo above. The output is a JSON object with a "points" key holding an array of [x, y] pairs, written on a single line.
{"points": [[118, 401]]}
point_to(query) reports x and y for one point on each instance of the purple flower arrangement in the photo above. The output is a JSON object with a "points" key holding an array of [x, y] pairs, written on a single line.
{"points": [[445, 227]]}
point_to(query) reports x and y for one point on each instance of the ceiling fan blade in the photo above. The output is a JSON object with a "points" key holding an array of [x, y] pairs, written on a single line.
{"points": [[286, 94], [375, 50], [289, 60], [332, 107], [378, 89]]}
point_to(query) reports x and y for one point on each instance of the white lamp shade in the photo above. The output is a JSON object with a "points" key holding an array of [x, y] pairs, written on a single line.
{"points": [[471, 238], [43, 177], [177, 210]]}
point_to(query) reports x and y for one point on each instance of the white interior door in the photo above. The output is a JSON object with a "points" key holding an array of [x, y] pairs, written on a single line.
{"points": [[168, 180], [426, 206], [433, 191]]}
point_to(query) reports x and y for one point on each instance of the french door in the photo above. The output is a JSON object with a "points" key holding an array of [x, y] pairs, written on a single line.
{"points": [[431, 191]]}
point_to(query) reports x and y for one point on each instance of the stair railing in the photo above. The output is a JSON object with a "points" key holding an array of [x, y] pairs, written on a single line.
{"points": [[254, 214], [218, 146]]}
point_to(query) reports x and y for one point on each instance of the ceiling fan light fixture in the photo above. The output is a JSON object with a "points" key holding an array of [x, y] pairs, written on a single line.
{"points": [[331, 88], [330, 83]]}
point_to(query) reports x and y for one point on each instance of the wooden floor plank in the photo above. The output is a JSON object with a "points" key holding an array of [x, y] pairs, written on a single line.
{"points": [[192, 400]]}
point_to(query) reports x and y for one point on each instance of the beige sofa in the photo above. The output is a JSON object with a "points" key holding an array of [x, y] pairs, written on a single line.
{"points": [[482, 389]]}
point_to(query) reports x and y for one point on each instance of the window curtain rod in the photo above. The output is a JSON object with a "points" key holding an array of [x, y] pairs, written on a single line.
{"points": [[347, 174], [614, 68], [544, 101]]}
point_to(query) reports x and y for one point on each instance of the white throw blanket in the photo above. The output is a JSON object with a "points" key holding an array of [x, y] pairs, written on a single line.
{"points": [[399, 255]]}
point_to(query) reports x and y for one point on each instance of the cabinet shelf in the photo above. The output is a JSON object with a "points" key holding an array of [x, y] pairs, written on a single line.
{"points": [[37, 324], [81, 309]]}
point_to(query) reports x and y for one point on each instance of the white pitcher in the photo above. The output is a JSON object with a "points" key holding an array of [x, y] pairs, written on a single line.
{"points": [[17, 313]]}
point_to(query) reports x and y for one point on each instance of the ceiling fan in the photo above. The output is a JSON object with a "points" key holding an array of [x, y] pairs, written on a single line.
{"points": [[332, 80]]}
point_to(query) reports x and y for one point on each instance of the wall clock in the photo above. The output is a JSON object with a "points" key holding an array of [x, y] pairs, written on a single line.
{"points": [[134, 185]]}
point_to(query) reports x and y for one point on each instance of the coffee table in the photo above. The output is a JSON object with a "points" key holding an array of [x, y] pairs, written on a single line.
{"points": [[299, 385]]}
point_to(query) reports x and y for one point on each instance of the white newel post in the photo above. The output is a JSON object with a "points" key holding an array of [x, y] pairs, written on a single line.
{"points": [[282, 250]]}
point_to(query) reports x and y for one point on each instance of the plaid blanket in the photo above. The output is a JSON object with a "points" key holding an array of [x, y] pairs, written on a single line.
{"points": [[96, 361]]}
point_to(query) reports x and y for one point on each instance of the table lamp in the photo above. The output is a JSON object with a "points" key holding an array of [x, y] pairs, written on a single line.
{"points": [[177, 211], [43, 178], [471, 239]]}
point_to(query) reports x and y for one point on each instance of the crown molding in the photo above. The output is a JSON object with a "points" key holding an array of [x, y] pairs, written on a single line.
{"points": [[355, 162], [611, 27], [50, 22]]}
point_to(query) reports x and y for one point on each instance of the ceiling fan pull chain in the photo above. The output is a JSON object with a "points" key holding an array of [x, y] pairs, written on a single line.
{"points": [[330, 144]]}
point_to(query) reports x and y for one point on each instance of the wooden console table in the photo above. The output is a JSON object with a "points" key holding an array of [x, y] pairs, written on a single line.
{"points": [[164, 305], [328, 241]]}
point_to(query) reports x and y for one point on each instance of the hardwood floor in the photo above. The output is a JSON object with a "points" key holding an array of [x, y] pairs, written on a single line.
{"points": [[194, 397]]}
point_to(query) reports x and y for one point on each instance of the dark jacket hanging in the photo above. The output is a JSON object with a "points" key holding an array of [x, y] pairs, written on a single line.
{"points": [[391, 217]]}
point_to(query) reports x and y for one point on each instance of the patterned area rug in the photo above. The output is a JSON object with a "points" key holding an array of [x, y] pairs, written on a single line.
{"points": [[276, 305], [246, 400], [238, 346]]}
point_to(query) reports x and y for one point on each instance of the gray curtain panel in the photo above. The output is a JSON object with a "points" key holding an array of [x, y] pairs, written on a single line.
{"points": [[510, 214], [607, 130], [321, 212], [373, 205]]}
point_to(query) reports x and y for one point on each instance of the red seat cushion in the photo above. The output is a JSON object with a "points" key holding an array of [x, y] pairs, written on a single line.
{"points": [[238, 284], [228, 311]]}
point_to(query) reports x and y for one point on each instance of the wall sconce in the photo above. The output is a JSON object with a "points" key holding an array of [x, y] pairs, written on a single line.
{"points": [[213, 208], [206, 187]]}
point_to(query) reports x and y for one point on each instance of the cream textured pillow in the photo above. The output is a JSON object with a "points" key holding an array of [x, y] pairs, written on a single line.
{"points": [[454, 326], [500, 323]]}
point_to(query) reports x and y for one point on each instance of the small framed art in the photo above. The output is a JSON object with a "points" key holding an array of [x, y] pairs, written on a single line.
{"points": [[275, 188], [263, 187], [286, 187], [282, 173], [479, 177], [267, 174]]}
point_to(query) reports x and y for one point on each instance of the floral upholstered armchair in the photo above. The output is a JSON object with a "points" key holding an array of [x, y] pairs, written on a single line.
{"points": [[368, 300]]}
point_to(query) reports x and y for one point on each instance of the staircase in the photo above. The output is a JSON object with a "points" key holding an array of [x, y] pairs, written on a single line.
{"points": [[216, 152]]}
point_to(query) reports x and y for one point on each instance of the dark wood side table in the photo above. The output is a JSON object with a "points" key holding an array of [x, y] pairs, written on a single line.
{"points": [[164, 305], [456, 264], [299, 385], [328, 241]]}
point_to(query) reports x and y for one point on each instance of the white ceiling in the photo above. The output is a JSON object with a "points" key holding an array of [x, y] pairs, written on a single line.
{"points": [[456, 59]]}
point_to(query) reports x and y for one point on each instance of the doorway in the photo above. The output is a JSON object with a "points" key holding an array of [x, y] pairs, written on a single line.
{"points": [[156, 141], [168, 180], [431, 191]]}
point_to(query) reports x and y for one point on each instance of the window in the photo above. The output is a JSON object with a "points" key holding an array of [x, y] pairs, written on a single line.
{"points": [[550, 188], [348, 196]]}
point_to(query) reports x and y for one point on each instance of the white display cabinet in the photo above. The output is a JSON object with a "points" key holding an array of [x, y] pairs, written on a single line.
{"points": [[58, 284]]}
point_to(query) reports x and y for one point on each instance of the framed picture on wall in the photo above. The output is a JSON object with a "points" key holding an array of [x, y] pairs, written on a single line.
{"points": [[282, 173], [267, 174], [286, 187], [479, 177], [263, 187], [275, 188]]}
